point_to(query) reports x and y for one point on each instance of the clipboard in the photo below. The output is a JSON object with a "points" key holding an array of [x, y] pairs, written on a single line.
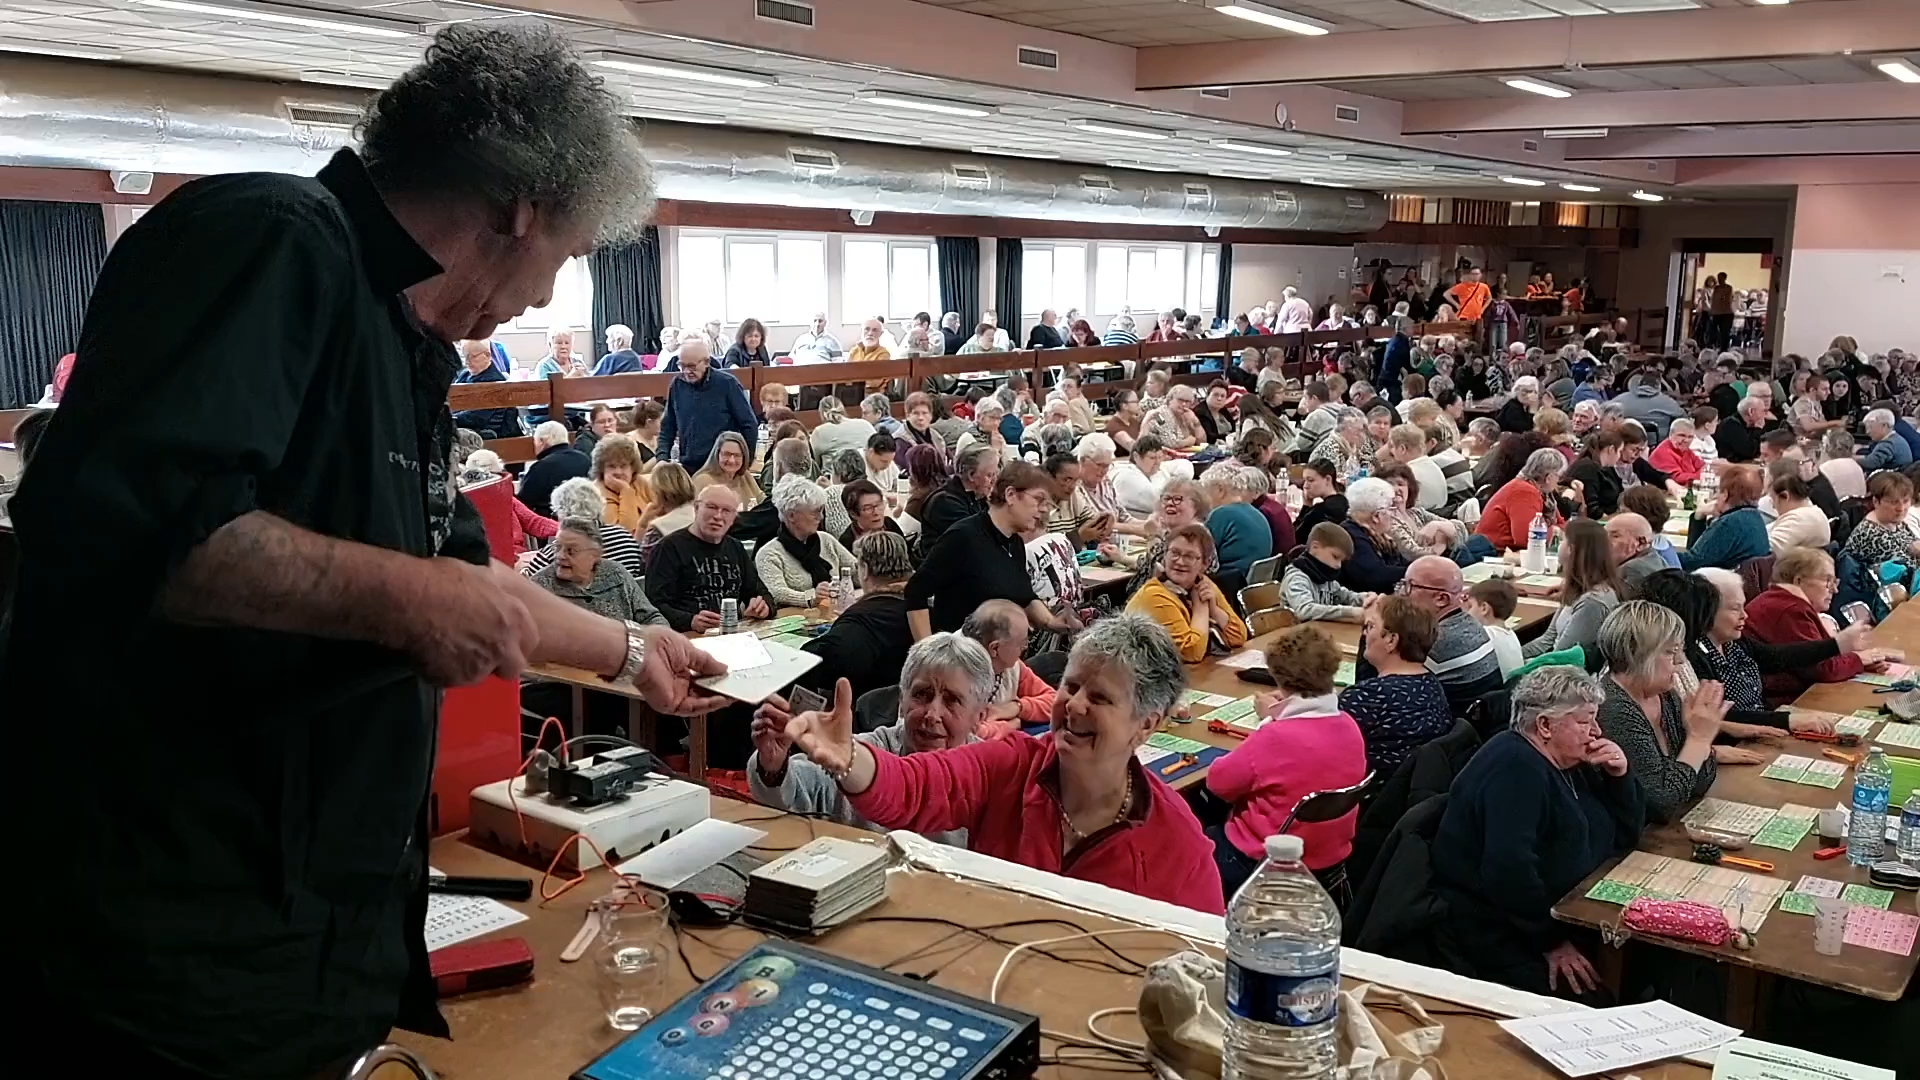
{"points": [[749, 678]]}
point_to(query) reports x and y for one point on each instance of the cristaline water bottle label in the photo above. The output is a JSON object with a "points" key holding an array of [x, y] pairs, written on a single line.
{"points": [[1286, 1000]]}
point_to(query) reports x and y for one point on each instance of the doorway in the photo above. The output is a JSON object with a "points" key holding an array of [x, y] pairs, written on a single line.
{"points": [[1753, 277]]}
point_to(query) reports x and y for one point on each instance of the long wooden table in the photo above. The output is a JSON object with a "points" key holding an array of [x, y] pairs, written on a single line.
{"points": [[555, 1024], [1784, 945]]}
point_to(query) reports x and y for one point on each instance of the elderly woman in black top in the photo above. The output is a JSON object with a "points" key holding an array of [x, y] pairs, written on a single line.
{"points": [[1668, 739], [1712, 605], [1535, 811], [581, 574]]}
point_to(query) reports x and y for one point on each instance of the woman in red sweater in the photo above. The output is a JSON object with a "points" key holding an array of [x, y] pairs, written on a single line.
{"points": [[1676, 456], [1789, 612], [1510, 513], [1074, 802], [1306, 744]]}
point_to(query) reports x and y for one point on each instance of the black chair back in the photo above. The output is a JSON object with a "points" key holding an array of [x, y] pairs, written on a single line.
{"points": [[876, 709]]}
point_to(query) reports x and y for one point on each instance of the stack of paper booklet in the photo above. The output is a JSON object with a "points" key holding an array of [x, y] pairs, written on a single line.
{"points": [[818, 886]]}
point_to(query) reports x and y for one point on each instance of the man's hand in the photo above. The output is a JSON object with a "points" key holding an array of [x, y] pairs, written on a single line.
{"points": [[1566, 963], [471, 628], [706, 620], [666, 675], [757, 608]]}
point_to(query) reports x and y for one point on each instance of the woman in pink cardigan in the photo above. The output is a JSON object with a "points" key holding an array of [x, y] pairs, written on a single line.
{"points": [[1074, 802], [1307, 744]]}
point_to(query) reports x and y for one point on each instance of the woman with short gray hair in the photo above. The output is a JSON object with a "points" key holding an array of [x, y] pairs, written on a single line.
{"points": [[579, 499], [987, 414], [583, 575], [799, 564], [1668, 740], [1540, 807], [1376, 565], [1105, 819], [946, 681], [1508, 516]]}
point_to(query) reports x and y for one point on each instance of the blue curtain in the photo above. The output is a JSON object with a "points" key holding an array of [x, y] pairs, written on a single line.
{"points": [[50, 257]]}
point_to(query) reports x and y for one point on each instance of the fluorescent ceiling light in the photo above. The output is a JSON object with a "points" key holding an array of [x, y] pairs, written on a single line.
{"points": [[1251, 148], [676, 118], [1535, 86], [1898, 70], [866, 136], [1125, 131], [1002, 151], [342, 78], [1321, 183], [1266, 15], [1523, 181], [1648, 196], [1143, 166], [1588, 188], [667, 69], [1772, 3], [1575, 133], [284, 16], [65, 52], [920, 104]]}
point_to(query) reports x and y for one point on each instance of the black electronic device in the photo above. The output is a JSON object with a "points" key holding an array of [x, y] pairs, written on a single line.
{"points": [[784, 1011], [603, 777]]}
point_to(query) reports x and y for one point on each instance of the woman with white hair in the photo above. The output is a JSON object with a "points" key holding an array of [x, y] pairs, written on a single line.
{"points": [[1538, 808], [1668, 740], [485, 467], [670, 337], [1376, 565], [582, 574], [799, 566], [1099, 816], [1176, 424], [986, 428], [580, 499], [837, 431], [1120, 331], [946, 681], [1517, 414], [1509, 514]]}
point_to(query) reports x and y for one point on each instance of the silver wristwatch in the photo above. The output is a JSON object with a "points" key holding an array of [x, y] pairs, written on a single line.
{"points": [[636, 654]]}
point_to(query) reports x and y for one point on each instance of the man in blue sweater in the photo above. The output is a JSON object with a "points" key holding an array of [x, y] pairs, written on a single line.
{"points": [[620, 358], [702, 404]]}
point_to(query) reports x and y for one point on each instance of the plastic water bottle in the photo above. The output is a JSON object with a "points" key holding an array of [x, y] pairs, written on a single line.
{"points": [[1536, 560], [1283, 972], [1910, 829], [842, 590], [1867, 825]]}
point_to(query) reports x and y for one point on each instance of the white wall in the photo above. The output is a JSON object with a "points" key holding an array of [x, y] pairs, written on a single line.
{"points": [[1261, 271], [1867, 295]]}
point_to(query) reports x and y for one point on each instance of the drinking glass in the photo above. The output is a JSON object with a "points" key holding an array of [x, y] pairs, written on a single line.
{"points": [[631, 954]]}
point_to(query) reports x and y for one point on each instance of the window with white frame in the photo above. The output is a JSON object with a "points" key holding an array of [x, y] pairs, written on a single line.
{"points": [[1102, 279], [778, 278], [896, 279], [571, 306]]}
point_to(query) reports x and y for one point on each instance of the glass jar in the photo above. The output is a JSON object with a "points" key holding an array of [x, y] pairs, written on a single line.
{"points": [[631, 953]]}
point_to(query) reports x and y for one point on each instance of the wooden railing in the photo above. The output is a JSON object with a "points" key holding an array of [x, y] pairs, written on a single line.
{"points": [[558, 392]]}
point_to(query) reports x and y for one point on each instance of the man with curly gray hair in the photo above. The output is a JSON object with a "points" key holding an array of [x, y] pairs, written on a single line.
{"points": [[274, 456]]}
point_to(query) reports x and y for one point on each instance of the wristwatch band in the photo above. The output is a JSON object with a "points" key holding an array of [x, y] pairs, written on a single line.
{"points": [[636, 654]]}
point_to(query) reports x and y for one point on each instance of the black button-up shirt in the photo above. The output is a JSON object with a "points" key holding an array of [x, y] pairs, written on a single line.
{"points": [[239, 886]]}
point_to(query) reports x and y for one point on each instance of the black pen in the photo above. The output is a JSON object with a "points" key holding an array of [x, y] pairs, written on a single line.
{"points": [[500, 888]]}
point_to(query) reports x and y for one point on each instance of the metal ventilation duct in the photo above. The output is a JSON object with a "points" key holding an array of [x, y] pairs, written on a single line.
{"points": [[70, 115]]}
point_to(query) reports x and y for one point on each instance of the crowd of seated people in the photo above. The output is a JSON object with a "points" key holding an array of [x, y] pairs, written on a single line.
{"points": [[971, 612]]}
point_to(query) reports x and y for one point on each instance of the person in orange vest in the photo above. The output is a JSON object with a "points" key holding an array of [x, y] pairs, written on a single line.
{"points": [[1469, 298]]}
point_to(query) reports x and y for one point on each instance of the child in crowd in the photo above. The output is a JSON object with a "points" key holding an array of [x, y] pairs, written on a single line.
{"points": [[1310, 587], [1307, 744], [1492, 602]]}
